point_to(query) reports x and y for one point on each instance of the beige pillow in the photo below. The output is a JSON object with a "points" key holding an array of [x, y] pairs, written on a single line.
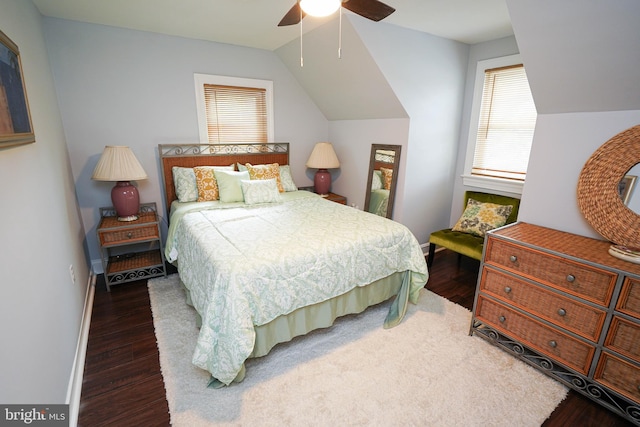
{"points": [[478, 217], [206, 182], [270, 171]]}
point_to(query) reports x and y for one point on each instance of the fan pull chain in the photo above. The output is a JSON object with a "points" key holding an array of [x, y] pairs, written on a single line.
{"points": [[301, 58], [340, 36]]}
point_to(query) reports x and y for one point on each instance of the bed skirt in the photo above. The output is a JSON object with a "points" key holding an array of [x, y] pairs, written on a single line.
{"points": [[322, 315]]}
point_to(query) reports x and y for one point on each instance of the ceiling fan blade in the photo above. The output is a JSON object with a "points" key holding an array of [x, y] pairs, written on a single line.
{"points": [[370, 9], [293, 16]]}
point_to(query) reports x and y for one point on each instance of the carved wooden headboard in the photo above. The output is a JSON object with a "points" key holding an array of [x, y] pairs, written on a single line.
{"points": [[191, 155]]}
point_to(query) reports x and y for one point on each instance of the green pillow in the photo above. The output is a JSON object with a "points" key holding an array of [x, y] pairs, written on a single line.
{"points": [[229, 185]]}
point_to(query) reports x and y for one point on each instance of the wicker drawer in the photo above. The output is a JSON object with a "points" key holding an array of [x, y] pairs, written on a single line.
{"points": [[578, 279], [561, 347], [619, 375], [624, 337], [128, 235], [567, 313], [629, 301]]}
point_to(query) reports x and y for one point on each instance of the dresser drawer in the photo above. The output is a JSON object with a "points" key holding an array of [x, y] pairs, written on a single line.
{"points": [[624, 337], [619, 375], [629, 301], [579, 318], [578, 279], [128, 235], [559, 346]]}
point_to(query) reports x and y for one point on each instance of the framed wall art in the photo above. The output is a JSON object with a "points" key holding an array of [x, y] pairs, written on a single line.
{"points": [[15, 119]]}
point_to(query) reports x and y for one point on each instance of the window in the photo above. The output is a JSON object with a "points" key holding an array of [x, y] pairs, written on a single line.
{"points": [[234, 110], [502, 126]]}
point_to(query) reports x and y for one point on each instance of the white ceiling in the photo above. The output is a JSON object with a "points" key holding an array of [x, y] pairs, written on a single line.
{"points": [[253, 23]]}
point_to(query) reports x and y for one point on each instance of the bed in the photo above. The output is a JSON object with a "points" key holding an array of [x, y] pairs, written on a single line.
{"points": [[262, 270]]}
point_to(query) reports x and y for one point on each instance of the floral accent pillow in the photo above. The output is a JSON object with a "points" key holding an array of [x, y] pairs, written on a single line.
{"points": [[260, 191], [478, 217], [206, 182], [387, 176], [270, 171], [184, 180]]}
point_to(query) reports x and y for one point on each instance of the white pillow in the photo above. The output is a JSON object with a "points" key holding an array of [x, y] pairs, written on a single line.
{"points": [[376, 182], [286, 179], [184, 180], [260, 191]]}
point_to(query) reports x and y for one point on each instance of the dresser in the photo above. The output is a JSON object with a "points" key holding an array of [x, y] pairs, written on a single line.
{"points": [[561, 303]]}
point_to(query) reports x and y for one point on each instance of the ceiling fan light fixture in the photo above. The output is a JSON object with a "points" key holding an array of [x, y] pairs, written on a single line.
{"points": [[320, 8]]}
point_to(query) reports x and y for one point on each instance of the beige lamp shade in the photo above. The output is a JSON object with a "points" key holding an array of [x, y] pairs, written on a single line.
{"points": [[118, 163], [323, 157]]}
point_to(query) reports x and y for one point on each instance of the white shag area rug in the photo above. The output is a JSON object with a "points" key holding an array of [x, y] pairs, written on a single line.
{"points": [[427, 371]]}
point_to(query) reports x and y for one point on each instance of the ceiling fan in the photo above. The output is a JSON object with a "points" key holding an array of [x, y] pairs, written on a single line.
{"points": [[370, 9]]}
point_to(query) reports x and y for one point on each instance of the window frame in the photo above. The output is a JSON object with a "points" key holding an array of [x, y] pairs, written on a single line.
{"points": [[485, 182], [211, 79]]}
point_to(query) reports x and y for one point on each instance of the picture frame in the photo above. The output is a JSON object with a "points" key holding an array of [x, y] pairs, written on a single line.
{"points": [[15, 117], [625, 188]]}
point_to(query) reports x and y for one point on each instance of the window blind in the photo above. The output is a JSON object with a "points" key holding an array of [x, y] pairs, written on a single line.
{"points": [[235, 114], [507, 122]]}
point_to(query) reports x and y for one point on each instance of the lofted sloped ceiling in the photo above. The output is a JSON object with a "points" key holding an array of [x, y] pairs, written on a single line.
{"points": [[580, 56], [348, 88], [253, 23]]}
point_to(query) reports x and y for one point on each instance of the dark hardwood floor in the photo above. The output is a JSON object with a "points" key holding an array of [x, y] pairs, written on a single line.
{"points": [[123, 385]]}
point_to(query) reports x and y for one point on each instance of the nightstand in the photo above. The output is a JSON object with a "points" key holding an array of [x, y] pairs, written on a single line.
{"points": [[336, 198], [331, 196], [130, 250]]}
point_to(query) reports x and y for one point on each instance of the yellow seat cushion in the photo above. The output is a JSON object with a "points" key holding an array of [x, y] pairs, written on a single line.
{"points": [[462, 243]]}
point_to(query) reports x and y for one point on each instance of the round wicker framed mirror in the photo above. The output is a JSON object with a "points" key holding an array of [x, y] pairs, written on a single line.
{"points": [[598, 189]]}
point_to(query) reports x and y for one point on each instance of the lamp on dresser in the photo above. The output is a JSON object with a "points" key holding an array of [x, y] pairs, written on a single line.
{"points": [[118, 163], [323, 157]]}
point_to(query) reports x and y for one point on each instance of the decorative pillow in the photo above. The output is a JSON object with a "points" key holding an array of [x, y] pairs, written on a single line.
{"points": [[206, 182], [184, 180], [260, 191], [376, 181], [229, 185], [270, 171], [478, 217], [287, 179], [387, 176]]}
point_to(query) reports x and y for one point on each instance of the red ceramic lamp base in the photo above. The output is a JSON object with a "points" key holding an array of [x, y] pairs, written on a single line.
{"points": [[126, 201], [322, 181]]}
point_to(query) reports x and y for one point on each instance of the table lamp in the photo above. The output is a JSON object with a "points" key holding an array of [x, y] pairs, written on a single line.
{"points": [[323, 157], [118, 163]]}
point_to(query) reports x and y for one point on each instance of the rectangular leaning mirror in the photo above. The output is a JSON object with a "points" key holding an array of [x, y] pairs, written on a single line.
{"points": [[382, 179]]}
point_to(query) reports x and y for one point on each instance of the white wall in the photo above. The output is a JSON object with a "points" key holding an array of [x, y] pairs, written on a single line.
{"points": [[353, 139], [119, 86], [479, 52], [562, 145], [41, 234], [427, 74], [582, 60]]}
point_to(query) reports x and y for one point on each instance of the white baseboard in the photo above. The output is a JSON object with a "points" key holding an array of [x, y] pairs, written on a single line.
{"points": [[77, 372], [425, 248], [96, 266]]}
